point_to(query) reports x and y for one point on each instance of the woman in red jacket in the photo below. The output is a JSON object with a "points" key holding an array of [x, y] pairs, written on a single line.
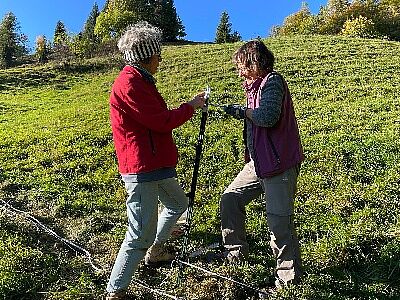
{"points": [[147, 155]]}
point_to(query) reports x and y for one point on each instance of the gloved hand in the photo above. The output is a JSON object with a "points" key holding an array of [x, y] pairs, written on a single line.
{"points": [[235, 110]]}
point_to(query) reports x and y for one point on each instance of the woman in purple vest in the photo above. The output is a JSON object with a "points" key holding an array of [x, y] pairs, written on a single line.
{"points": [[273, 157]]}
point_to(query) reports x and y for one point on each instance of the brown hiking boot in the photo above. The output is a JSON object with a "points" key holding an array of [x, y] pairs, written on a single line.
{"points": [[158, 254], [121, 295]]}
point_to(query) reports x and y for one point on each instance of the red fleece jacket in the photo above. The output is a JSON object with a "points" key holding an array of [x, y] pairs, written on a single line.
{"points": [[142, 124]]}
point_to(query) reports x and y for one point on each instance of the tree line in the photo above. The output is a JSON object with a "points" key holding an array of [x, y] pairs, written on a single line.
{"points": [[357, 18], [100, 29]]}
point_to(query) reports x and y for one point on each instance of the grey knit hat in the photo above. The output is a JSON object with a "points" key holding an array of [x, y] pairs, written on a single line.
{"points": [[140, 41]]}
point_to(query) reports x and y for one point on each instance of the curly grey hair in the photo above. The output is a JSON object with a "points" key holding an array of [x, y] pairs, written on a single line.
{"points": [[140, 41]]}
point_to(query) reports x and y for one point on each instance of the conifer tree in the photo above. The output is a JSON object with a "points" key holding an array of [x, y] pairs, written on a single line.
{"points": [[168, 20], [106, 4], [60, 34], [12, 42], [224, 31], [88, 30]]}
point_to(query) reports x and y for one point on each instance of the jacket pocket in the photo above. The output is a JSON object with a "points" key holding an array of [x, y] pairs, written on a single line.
{"points": [[266, 156], [153, 148]]}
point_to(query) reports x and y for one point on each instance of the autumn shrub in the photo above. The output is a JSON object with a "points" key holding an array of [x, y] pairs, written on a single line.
{"points": [[359, 27]]}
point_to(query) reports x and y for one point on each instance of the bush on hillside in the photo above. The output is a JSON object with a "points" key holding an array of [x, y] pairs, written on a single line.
{"points": [[301, 22], [359, 27], [42, 49], [81, 47], [343, 17], [118, 14]]}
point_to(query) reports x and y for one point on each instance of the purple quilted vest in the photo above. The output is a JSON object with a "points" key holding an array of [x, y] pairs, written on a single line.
{"points": [[277, 148]]}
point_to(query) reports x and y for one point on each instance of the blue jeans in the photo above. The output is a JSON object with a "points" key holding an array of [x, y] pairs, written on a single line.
{"points": [[143, 227]]}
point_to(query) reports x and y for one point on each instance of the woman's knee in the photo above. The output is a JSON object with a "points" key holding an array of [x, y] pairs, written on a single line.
{"points": [[231, 202]]}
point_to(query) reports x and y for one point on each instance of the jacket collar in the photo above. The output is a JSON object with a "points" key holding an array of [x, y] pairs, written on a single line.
{"points": [[146, 74]]}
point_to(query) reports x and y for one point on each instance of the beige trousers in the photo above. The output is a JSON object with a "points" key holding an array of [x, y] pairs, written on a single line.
{"points": [[279, 194]]}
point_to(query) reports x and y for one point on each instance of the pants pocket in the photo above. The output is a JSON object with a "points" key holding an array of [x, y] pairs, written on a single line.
{"points": [[279, 201], [279, 193]]}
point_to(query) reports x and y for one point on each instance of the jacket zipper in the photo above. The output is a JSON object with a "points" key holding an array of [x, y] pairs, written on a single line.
{"points": [[153, 149], [274, 150]]}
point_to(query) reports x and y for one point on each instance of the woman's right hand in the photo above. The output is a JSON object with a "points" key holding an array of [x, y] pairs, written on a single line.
{"points": [[198, 100]]}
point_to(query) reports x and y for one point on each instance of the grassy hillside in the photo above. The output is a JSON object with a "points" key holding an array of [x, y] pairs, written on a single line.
{"points": [[58, 164]]}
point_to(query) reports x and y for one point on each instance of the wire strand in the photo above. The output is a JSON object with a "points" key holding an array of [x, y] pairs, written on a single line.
{"points": [[69, 243], [223, 277], [77, 248], [155, 291]]}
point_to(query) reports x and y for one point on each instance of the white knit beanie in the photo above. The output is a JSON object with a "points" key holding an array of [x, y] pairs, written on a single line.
{"points": [[140, 41]]}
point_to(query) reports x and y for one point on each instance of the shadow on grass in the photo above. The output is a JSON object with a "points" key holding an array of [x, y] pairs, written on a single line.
{"points": [[56, 75], [38, 265], [370, 272]]}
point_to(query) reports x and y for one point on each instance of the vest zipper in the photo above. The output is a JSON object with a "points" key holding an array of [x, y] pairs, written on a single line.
{"points": [[278, 160]]}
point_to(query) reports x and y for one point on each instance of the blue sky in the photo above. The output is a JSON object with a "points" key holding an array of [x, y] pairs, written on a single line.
{"points": [[200, 18]]}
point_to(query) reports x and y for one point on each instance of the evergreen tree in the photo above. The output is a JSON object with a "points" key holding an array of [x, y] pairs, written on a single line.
{"points": [[168, 20], [88, 30], [12, 42], [60, 35], [85, 43], [224, 31], [106, 4]]}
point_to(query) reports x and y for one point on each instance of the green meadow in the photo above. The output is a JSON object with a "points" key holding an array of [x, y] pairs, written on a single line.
{"points": [[57, 163]]}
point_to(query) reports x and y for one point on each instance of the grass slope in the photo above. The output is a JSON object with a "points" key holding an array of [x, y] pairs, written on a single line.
{"points": [[58, 163]]}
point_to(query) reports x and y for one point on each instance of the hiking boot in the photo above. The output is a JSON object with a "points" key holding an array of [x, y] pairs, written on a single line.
{"points": [[267, 293], [230, 256], [121, 295], [157, 254], [233, 256]]}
